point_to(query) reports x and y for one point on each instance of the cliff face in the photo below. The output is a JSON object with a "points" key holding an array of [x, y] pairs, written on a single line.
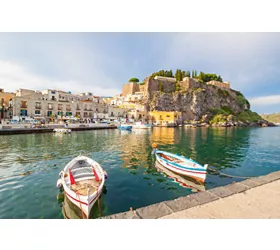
{"points": [[195, 103]]}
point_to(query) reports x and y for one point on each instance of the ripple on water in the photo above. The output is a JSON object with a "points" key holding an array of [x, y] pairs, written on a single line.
{"points": [[29, 165]]}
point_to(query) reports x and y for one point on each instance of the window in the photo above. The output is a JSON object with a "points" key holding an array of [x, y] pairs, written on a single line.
{"points": [[53, 92], [37, 112], [112, 113], [23, 112], [49, 113]]}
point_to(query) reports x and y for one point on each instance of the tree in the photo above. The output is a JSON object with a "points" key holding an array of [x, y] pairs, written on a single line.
{"points": [[188, 73], [178, 75], [134, 79]]}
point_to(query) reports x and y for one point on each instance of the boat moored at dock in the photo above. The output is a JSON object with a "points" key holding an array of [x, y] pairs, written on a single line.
{"points": [[125, 127], [82, 180], [181, 165], [62, 130]]}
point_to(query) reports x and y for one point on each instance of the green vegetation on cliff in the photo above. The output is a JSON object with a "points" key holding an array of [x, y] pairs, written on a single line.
{"points": [[180, 74], [225, 114], [249, 116]]}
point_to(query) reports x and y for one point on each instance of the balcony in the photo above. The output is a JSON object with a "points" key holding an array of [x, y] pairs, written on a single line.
{"points": [[78, 108], [59, 108], [50, 108], [23, 106], [68, 109], [38, 107]]}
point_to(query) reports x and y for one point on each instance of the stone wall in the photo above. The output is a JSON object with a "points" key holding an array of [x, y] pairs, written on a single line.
{"points": [[188, 83], [130, 88], [219, 84]]}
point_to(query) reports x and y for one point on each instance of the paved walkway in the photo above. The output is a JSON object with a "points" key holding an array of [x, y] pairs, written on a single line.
{"points": [[253, 198], [261, 202]]}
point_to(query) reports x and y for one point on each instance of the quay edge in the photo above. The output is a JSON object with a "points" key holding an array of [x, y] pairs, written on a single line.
{"points": [[170, 207]]}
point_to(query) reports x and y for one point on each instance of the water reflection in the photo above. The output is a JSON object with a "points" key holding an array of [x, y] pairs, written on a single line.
{"points": [[71, 211], [31, 163], [181, 180]]}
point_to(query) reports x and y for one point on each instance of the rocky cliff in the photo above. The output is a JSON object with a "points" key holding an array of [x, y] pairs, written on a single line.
{"points": [[202, 103]]}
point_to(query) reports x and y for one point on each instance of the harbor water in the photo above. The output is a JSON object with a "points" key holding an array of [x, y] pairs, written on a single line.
{"points": [[30, 164]]}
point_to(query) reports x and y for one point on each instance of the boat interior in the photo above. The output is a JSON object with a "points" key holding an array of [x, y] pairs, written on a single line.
{"points": [[170, 158], [86, 181], [85, 187]]}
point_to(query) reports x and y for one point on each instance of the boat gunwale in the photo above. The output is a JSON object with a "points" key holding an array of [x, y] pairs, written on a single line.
{"points": [[202, 168], [86, 199]]}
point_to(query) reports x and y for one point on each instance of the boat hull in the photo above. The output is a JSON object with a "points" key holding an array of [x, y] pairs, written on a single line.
{"points": [[196, 172], [83, 201], [183, 181], [129, 128], [62, 130]]}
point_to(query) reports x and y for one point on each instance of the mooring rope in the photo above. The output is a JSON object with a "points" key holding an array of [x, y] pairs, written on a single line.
{"points": [[228, 175]]}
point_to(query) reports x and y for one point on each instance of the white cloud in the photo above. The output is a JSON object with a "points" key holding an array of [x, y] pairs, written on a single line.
{"points": [[247, 60], [14, 76], [265, 100]]}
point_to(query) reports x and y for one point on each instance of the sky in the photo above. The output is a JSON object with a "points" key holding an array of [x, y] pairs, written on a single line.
{"points": [[102, 62]]}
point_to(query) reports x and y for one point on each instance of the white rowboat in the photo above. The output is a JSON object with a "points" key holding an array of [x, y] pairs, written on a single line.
{"points": [[181, 165], [62, 130], [82, 180]]}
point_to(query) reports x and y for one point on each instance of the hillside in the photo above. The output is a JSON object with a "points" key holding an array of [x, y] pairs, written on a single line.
{"points": [[200, 102], [272, 117]]}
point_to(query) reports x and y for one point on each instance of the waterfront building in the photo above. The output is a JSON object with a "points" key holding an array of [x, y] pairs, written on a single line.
{"points": [[5, 111], [165, 118], [56, 104]]}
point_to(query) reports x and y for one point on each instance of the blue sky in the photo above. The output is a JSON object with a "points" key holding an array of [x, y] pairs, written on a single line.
{"points": [[102, 62]]}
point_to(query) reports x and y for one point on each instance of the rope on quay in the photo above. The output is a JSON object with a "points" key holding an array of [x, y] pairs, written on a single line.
{"points": [[228, 175]]}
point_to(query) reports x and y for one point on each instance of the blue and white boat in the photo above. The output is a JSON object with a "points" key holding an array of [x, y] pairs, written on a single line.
{"points": [[181, 165], [125, 127]]}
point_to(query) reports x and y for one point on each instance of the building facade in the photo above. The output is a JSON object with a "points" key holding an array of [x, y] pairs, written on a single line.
{"points": [[165, 118], [130, 88], [5, 111], [57, 104]]}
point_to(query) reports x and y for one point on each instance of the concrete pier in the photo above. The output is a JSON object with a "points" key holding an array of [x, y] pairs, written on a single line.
{"points": [[12, 131], [252, 198]]}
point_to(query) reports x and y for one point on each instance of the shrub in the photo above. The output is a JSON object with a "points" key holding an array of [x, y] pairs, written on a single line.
{"points": [[249, 116], [160, 87], [134, 79], [177, 87], [223, 93], [223, 111], [218, 118]]}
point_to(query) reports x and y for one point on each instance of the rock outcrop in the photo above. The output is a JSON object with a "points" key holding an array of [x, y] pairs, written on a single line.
{"points": [[206, 104]]}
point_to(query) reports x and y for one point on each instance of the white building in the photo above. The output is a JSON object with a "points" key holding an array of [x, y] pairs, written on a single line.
{"points": [[57, 104]]}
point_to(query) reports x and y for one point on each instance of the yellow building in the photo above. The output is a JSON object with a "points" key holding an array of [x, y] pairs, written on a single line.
{"points": [[165, 118]]}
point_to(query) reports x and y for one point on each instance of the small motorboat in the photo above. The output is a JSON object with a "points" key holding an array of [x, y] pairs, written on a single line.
{"points": [[181, 165], [141, 125], [82, 180], [62, 130], [181, 180], [125, 127]]}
